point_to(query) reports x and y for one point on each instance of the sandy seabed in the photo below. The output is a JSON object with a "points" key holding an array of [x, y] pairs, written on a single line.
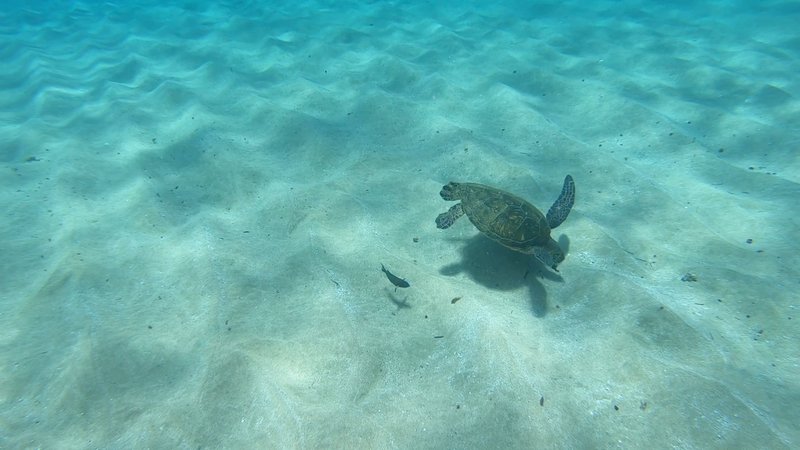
{"points": [[198, 199]]}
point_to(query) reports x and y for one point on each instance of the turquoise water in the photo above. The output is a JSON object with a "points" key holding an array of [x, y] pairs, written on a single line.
{"points": [[198, 196]]}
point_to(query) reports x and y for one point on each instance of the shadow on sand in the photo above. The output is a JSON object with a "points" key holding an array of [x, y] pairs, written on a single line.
{"points": [[496, 267]]}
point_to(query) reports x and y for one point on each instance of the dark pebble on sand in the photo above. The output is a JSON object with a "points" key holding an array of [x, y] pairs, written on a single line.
{"points": [[689, 277]]}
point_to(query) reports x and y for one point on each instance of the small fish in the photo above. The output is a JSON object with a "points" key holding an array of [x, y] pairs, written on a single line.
{"points": [[397, 281]]}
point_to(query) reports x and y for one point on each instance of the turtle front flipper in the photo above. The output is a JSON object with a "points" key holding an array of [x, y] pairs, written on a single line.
{"points": [[445, 219], [563, 205]]}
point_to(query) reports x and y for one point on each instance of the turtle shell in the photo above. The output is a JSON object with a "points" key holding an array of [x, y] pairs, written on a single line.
{"points": [[504, 217]]}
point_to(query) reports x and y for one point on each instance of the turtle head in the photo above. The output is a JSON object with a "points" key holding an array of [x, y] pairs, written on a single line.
{"points": [[550, 255], [450, 191]]}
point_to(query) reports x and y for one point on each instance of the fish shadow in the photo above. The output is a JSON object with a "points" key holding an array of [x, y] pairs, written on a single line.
{"points": [[397, 301], [496, 267]]}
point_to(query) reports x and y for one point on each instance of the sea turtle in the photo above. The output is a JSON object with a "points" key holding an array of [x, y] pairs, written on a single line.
{"points": [[508, 219]]}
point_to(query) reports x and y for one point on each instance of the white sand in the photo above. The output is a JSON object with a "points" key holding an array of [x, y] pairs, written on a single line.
{"points": [[192, 259]]}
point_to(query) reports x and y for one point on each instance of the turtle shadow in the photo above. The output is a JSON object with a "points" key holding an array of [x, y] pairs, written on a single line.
{"points": [[496, 267], [563, 242]]}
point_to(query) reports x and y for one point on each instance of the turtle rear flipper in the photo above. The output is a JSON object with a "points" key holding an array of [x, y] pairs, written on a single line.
{"points": [[563, 205], [445, 219]]}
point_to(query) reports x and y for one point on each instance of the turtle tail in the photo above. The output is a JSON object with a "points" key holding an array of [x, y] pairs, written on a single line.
{"points": [[449, 191]]}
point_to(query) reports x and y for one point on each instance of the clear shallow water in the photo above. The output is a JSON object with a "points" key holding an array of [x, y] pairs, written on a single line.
{"points": [[198, 198]]}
